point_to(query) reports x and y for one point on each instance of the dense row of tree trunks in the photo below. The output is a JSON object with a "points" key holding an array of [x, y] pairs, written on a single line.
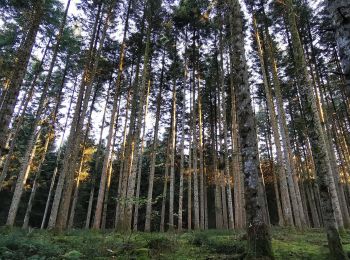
{"points": [[48, 139], [5, 162], [215, 152], [286, 195], [11, 90], [110, 140], [31, 147], [61, 202], [316, 137]]}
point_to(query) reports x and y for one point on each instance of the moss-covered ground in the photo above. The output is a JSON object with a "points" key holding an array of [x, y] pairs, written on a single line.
{"points": [[212, 244]]}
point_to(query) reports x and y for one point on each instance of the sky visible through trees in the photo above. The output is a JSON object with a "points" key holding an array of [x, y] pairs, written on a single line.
{"points": [[175, 115]]}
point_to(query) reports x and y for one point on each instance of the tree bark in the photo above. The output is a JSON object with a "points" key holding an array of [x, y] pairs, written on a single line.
{"points": [[259, 241], [316, 137], [340, 13]]}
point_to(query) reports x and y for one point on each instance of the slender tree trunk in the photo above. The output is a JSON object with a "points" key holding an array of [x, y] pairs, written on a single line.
{"points": [[50, 136], [108, 154], [286, 196], [98, 160], [195, 146], [140, 163], [154, 151], [19, 121], [53, 178], [182, 146], [189, 178], [121, 179], [225, 144], [172, 158], [165, 188]]}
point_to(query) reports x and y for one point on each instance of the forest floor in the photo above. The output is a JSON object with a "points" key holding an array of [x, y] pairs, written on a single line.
{"points": [[211, 244]]}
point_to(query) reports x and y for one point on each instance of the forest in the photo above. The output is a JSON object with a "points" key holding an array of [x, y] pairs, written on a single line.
{"points": [[175, 129]]}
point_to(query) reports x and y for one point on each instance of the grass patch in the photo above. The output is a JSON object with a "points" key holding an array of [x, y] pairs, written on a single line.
{"points": [[212, 244]]}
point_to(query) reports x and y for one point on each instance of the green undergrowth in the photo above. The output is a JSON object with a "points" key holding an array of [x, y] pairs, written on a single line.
{"points": [[212, 244]]}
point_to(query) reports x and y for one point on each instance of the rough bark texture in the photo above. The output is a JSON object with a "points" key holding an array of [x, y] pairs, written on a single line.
{"points": [[259, 241], [340, 12], [316, 137]]}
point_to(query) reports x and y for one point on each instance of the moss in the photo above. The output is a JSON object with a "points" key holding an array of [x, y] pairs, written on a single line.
{"points": [[211, 244], [74, 254]]}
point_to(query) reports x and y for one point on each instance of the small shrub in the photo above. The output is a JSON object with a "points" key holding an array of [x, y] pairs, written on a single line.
{"points": [[160, 245], [199, 239]]}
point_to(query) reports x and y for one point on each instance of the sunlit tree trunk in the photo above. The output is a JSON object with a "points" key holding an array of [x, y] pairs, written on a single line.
{"points": [[286, 196], [19, 121], [50, 136], [140, 163], [108, 153], [62, 198], [317, 139], [11, 90]]}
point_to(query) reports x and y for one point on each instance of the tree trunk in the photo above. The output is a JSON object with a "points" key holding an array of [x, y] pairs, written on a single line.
{"points": [[19, 121], [154, 151], [11, 90], [182, 147], [195, 145], [259, 241], [98, 160], [140, 163], [340, 12], [108, 153], [172, 158], [316, 137], [286, 196], [225, 144], [53, 178], [165, 187], [50, 136]]}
